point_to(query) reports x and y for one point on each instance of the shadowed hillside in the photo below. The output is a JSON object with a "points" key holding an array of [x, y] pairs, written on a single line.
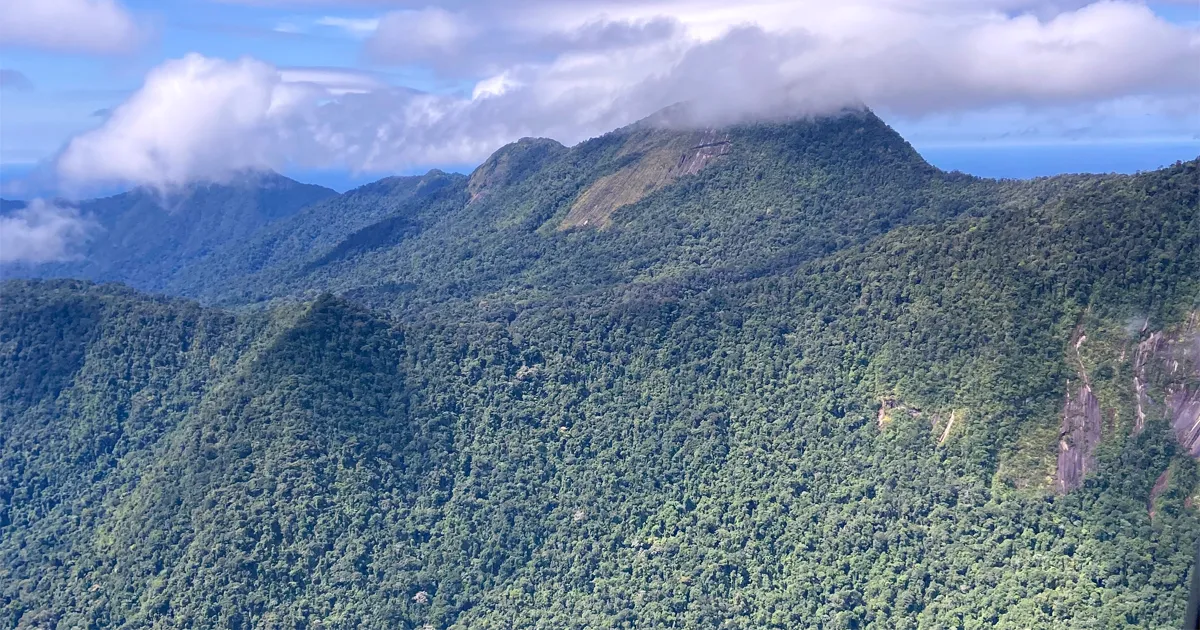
{"points": [[145, 237]]}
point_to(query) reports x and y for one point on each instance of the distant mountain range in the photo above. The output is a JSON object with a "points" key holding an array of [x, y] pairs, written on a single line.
{"points": [[776, 375], [145, 236]]}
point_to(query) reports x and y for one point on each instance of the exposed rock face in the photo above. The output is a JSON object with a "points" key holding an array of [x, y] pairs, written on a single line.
{"points": [[1145, 351], [1183, 397], [1169, 363], [1184, 407], [1173, 362], [1078, 437], [1166, 383]]}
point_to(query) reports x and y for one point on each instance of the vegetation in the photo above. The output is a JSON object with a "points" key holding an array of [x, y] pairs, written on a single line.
{"points": [[146, 237], [779, 195], [815, 383]]}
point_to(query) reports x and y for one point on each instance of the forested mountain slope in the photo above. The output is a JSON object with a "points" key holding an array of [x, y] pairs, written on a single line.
{"points": [[852, 411], [382, 211], [145, 237], [636, 206]]}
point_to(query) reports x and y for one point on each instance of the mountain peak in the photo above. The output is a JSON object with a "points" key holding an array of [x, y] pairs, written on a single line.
{"points": [[512, 163], [691, 115], [654, 153], [251, 179]]}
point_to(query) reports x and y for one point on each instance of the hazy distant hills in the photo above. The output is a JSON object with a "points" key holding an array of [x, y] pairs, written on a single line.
{"points": [[144, 237], [779, 375]]}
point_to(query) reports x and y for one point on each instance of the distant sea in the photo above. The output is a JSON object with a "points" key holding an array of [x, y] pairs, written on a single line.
{"points": [[1028, 161], [998, 161]]}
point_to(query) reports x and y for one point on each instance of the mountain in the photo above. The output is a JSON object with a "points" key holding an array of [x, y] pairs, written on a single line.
{"points": [[802, 379], [145, 236], [378, 212], [639, 205]]}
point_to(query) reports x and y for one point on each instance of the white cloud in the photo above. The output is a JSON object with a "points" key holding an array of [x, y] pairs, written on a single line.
{"points": [[494, 86], [336, 81], [194, 118], [41, 232], [290, 28], [568, 71], [405, 36], [85, 26], [357, 27], [488, 41]]}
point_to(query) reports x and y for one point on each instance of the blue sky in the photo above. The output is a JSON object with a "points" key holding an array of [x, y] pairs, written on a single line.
{"points": [[353, 91]]}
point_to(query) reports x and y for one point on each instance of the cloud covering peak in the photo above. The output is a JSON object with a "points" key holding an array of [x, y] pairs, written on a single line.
{"points": [[194, 118], [570, 71]]}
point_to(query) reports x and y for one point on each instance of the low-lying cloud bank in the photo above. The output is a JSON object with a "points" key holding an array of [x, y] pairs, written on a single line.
{"points": [[42, 232], [572, 72]]}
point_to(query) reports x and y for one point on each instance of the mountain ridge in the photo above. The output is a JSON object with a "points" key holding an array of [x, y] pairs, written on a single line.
{"points": [[144, 236], [547, 187], [814, 383]]}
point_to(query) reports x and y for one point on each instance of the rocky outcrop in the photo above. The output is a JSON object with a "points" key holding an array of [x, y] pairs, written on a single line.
{"points": [[1183, 395], [1078, 437], [1183, 405], [1079, 433], [1146, 350], [1166, 384], [1170, 364]]}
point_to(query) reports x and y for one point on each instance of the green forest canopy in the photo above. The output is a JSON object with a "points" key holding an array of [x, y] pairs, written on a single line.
{"points": [[815, 383]]}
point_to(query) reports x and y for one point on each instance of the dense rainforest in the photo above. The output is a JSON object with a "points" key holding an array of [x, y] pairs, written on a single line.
{"points": [[780, 375]]}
